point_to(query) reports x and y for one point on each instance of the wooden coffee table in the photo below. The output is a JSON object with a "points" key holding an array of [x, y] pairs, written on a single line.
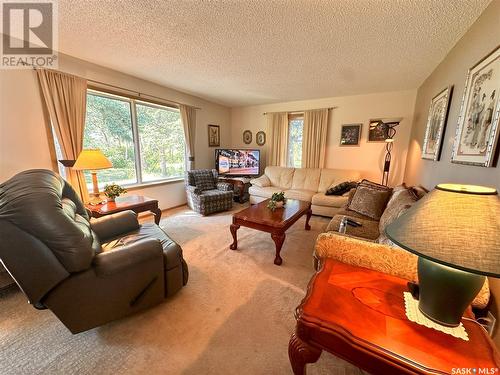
{"points": [[136, 203], [275, 222], [358, 314]]}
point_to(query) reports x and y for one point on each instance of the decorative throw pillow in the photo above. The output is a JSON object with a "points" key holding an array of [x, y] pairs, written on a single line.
{"points": [[341, 188], [399, 188], [370, 199], [373, 185], [350, 195], [400, 201], [419, 191], [204, 180]]}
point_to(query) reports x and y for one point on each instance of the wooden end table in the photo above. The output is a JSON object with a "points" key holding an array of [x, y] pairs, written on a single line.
{"points": [[276, 222], [136, 203], [358, 314], [240, 188]]}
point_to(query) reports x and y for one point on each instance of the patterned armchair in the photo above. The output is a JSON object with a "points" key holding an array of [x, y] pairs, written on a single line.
{"points": [[205, 194]]}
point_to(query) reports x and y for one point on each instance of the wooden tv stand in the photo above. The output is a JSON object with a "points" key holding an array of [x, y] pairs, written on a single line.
{"points": [[240, 187]]}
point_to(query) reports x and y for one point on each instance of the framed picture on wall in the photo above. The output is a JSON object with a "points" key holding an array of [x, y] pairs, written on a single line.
{"points": [[247, 137], [378, 131], [350, 134], [260, 138], [436, 123], [213, 136], [477, 130]]}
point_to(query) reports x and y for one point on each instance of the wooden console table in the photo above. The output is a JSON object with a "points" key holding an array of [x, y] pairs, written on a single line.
{"points": [[359, 315], [136, 203]]}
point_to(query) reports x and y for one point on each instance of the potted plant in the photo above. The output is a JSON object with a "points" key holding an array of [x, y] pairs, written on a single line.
{"points": [[113, 191], [278, 200]]}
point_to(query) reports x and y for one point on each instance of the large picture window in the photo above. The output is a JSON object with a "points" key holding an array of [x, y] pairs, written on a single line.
{"points": [[144, 141], [161, 141]]}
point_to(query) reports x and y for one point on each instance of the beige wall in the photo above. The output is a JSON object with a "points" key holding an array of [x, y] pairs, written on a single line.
{"points": [[23, 140], [480, 39], [368, 157]]}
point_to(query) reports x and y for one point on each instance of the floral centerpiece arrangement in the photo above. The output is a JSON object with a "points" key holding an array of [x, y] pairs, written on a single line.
{"points": [[113, 191], [278, 200]]}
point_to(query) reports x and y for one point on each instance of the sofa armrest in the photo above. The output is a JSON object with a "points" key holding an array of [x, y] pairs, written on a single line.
{"points": [[115, 261], [193, 190], [224, 186], [110, 226], [262, 181], [378, 257]]}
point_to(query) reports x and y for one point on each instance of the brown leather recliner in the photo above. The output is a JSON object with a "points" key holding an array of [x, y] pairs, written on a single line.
{"points": [[87, 272]]}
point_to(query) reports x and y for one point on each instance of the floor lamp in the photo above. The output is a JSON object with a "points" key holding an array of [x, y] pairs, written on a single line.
{"points": [[389, 144]]}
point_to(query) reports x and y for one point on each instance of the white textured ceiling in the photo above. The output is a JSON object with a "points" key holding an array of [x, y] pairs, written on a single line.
{"points": [[262, 51]]}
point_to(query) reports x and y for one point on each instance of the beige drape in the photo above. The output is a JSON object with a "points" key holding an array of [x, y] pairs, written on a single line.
{"points": [[188, 117], [65, 98], [277, 130], [314, 138]]}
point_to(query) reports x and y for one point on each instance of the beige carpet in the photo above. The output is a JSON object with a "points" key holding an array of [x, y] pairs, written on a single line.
{"points": [[235, 315]]}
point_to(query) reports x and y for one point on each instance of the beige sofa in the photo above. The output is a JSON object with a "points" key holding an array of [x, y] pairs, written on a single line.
{"points": [[307, 184]]}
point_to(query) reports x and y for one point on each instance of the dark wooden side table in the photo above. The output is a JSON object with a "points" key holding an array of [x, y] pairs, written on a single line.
{"points": [[358, 315], [136, 203], [240, 188]]}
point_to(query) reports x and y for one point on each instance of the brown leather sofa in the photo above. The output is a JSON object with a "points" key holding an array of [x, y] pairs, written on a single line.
{"points": [[86, 272]]}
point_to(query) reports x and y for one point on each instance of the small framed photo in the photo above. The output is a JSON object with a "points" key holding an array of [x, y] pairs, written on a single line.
{"points": [[477, 131], [350, 134], [247, 137], [213, 136], [260, 138], [436, 123], [378, 131]]}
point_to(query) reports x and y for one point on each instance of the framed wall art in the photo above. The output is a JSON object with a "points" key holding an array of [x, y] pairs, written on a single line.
{"points": [[436, 123], [477, 130], [247, 137], [260, 138], [213, 136], [378, 131], [350, 134]]}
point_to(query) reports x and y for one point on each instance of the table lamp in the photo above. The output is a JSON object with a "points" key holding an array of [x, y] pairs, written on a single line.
{"points": [[455, 231], [93, 160]]}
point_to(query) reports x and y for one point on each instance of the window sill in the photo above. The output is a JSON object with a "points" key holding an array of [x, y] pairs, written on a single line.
{"points": [[153, 184]]}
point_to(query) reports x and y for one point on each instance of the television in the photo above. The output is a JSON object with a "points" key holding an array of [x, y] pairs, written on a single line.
{"points": [[237, 162]]}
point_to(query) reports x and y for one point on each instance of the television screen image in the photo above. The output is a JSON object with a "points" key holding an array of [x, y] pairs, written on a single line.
{"points": [[233, 162]]}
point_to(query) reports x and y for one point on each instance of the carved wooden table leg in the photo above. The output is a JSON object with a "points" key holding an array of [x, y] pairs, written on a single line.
{"points": [[157, 214], [278, 239], [234, 228], [300, 354], [309, 213]]}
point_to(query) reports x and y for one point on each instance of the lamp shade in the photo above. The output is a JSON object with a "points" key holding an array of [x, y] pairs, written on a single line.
{"points": [[92, 159], [455, 225]]}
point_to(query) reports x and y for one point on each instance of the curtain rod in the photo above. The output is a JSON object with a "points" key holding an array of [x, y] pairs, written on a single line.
{"points": [[139, 94], [302, 111]]}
